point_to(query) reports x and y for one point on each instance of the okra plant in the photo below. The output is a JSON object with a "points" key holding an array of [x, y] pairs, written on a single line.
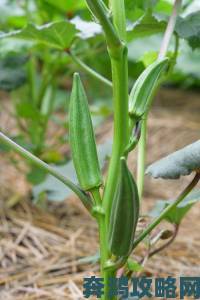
{"points": [[114, 201]]}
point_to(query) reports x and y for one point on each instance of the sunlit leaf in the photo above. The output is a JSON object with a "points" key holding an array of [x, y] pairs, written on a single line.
{"points": [[149, 57], [133, 265], [164, 7], [27, 110], [67, 5], [142, 4], [57, 35], [10, 10]]}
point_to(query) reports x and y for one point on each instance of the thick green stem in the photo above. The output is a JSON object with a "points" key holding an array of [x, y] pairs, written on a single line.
{"points": [[120, 141], [39, 163], [106, 274], [90, 71], [121, 126], [119, 64], [101, 223], [181, 197], [119, 17], [115, 37], [142, 157]]}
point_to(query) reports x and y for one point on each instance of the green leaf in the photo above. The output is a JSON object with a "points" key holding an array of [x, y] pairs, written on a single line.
{"points": [[179, 163], [12, 73], [134, 266], [58, 35], [69, 5], [145, 26], [176, 215], [53, 156], [11, 79], [27, 110], [36, 176], [14, 61], [188, 63], [164, 7], [142, 4], [149, 57], [10, 10], [188, 28]]}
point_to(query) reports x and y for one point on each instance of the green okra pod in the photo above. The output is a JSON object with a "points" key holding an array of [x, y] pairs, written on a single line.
{"points": [[124, 214], [82, 139], [141, 94]]}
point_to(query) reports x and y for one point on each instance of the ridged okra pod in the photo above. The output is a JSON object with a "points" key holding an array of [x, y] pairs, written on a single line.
{"points": [[82, 139], [141, 94], [124, 214]]}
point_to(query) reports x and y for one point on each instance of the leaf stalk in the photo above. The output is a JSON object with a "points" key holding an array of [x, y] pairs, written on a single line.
{"points": [[181, 197]]}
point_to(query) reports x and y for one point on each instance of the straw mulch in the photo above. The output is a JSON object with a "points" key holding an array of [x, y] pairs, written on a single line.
{"points": [[42, 251]]}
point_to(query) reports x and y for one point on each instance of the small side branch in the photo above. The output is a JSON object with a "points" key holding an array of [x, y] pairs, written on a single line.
{"points": [[41, 164], [89, 70], [170, 29], [174, 204], [167, 244]]}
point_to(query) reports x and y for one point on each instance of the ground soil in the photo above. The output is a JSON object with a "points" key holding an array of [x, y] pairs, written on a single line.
{"points": [[41, 251]]}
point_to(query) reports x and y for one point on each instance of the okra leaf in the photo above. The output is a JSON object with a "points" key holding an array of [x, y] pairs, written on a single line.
{"points": [[133, 265], [35, 175], [58, 35], [69, 5], [27, 110], [177, 164], [176, 215], [143, 5], [12, 73], [145, 26], [188, 28], [11, 79]]}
